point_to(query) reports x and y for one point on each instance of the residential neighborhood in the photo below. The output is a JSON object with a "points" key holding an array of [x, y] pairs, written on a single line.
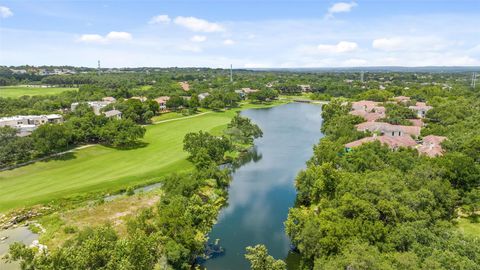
{"points": [[395, 136]]}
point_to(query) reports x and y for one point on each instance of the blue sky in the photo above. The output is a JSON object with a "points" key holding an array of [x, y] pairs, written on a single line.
{"points": [[215, 33]]}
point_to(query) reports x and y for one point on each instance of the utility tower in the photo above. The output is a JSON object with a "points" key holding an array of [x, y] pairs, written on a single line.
{"points": [[362, 74], [231, 73], [98, 69], [474, 80]]}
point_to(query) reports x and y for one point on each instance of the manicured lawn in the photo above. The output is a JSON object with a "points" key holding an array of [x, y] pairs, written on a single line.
{"points": [[18, 91], [101, 168]]}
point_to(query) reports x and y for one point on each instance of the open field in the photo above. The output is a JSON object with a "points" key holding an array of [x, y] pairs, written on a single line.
{"points": [[469, 228], [105, 169], [18, 91]]}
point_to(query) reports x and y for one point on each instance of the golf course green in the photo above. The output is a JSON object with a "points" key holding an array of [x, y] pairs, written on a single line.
{"points": [[18, 91], [100, 168], [103, 169]]}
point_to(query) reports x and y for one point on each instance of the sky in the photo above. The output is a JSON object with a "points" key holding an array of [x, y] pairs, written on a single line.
{"points": [[244, 33]]}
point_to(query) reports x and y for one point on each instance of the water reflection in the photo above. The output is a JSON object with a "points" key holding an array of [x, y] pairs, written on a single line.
{"points": [[251, 155], [263, 189]]}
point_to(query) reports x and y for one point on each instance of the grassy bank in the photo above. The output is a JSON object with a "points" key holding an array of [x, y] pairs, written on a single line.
{"points": [[18, 91], [105, 169]]}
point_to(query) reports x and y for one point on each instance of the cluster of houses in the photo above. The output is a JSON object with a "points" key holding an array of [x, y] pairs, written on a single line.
{"points": [[97, 106], [395, 136], [44, 72], [26, 124]]}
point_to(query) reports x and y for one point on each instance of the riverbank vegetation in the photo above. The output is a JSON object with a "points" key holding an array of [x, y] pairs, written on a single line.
{"points": [[374, 208]]}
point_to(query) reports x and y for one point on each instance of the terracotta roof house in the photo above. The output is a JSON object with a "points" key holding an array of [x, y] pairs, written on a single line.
{"points": [[368, 116], [364, 105], [391, 142], [431, 146], [421, 108], [416, 122], [389, 129], [162, 102], [185, 86]]}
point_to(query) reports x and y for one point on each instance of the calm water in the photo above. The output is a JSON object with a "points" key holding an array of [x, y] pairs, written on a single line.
{"points": [[263, 190]]}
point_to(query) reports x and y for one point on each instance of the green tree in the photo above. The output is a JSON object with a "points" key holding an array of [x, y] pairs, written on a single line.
{"points": [[51, 138], [260, 260]]}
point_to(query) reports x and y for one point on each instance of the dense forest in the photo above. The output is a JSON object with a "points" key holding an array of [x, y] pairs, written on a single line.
{"points": [[374, 208]]}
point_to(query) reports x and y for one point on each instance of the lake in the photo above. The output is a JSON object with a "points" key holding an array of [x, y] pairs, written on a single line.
{"points": [[262, 190]]}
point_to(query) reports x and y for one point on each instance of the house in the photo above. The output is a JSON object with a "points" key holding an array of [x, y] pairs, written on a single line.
{"points": [[391, 142], [368, 116], [421, 108], [109, 99], [26, 124], [240, 93], [162, 102], [116, 114], [389, 129], [416, 122], [97, 106], [202, 96], [185, 86], [431, 146], [368, 110], [249, 90], [305, 87], [364, 105]]}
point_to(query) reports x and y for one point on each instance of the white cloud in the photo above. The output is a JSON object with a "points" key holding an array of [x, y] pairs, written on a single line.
{"points": [[388, 44], [119, 36], [341, 47], [160, 19], [228, 42], [198, 38], [5, 12], [198, 25], [340, 7], [110, 37], [91, 38], [411, 43], [191, 48]]}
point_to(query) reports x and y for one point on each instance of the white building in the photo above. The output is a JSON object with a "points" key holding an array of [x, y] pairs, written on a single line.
{"points": [[26, 124], [113, 114], [97, 106]]}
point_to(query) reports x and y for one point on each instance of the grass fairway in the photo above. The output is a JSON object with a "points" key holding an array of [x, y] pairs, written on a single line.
{"points": [[101, 168], [18, 91]]}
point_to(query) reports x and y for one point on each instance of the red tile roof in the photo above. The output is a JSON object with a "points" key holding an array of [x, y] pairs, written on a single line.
{"points": [[431, 146], [185, 86], [387, 128], [416, 122], [392, 142]]}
